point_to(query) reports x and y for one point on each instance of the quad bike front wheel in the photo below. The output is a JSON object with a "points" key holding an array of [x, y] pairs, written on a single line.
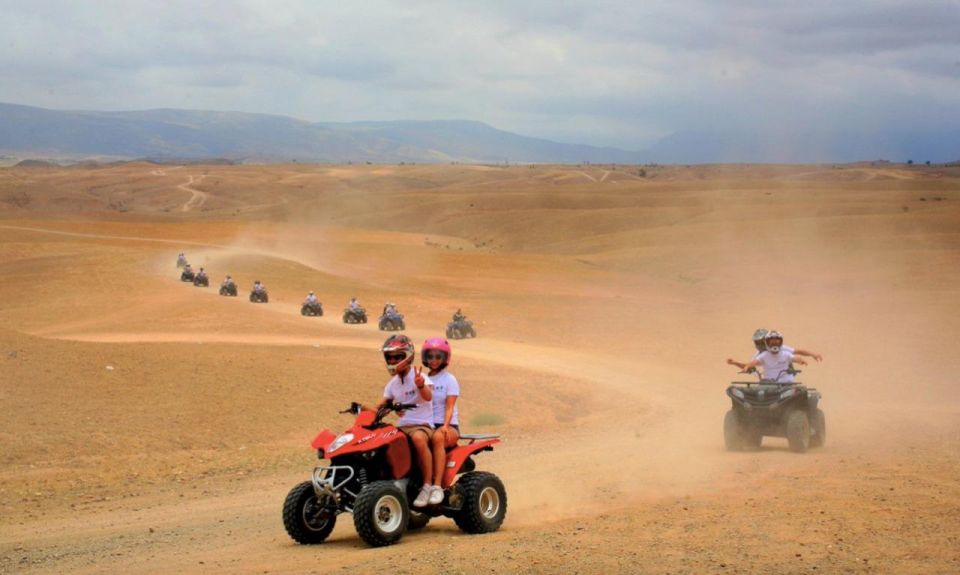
{"points": [[484, 502], [306, 518], [798, 431], [818, 429], [381, 513], [734, 437]]}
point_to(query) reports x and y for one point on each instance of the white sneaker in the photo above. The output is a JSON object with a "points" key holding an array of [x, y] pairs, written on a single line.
{"points": [[436, 495], [423, 496]]}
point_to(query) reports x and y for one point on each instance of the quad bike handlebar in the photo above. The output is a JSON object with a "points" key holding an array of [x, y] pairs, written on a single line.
{"points": [[355, 409], [789, 371]]}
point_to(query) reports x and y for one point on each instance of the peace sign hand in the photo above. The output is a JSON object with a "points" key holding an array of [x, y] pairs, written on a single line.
{"points": [[418, 376]]}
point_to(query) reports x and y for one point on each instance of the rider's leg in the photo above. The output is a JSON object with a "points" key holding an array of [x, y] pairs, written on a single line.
{"points": [[424, 456], [421, 445], [438, 442]]}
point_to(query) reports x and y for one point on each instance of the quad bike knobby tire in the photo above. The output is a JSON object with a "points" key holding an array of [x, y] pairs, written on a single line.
{"points": [[734, 436], [305, 518], [418, 520], [798, 431], [308, 311], [484, 502], [381, 513], [818, 426]]}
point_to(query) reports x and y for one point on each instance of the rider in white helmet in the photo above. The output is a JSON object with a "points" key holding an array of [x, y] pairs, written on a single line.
{"points": [[775, 361], [759, 337]]}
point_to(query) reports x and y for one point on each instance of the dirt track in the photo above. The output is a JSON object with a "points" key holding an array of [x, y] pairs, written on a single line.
{"points": [[155, 427]]}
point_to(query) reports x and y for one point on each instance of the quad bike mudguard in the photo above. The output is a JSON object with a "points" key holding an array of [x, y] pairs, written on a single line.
{"points": [[397, 444], [459, 455]]}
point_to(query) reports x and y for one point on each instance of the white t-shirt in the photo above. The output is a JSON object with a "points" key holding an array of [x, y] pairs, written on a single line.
{"points": [[407, 392], [773, 364], [444, 384], [782, 348]]}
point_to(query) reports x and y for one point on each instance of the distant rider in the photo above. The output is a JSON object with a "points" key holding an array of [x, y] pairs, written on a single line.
{"points": [[390, 309], [227, 282], [181, 260], [411, 387], [258, 287], [458, 316], [311, 300], [354, 305], [201, 274], [775, 361]]}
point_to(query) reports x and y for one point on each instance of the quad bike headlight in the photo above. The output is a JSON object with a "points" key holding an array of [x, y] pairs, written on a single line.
{"points": [[787, 393], [737, 393], [340, 442]]}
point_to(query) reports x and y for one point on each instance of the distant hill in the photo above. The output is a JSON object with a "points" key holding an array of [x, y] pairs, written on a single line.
{"points": [[190, 134], [772, 146]]}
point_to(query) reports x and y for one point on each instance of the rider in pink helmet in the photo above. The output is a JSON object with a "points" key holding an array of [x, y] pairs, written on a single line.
{"points": [[435, 355]]}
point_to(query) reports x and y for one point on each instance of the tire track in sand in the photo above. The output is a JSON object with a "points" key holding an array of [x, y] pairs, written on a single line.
{"points": [[197, 199]]}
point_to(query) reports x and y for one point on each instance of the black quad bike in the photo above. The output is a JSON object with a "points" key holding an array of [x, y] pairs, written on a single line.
{"points": [[187, 276], [358, 315], [228, 289], [392, 322], [201, 280], [311, 309], [460, 329], [774, 408], [259, 296], [371, 475]]}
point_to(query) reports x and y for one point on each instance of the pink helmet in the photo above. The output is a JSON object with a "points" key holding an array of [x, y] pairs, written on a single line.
{"points": [[436, 344]]}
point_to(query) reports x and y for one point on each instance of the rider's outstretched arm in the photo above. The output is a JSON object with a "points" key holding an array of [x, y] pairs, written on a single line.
{"points": [[736, 363], [806, 353], [750, 364]]}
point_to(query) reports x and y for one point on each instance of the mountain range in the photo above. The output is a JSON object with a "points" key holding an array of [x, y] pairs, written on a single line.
{"points": [[172, 135]]}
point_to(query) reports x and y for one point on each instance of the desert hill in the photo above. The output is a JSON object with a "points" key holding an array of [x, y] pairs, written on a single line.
{"points": [[192, 134], [153, 426]]}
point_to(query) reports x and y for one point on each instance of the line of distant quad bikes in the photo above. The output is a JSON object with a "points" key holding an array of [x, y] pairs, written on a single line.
{"points": [[391, 320]]}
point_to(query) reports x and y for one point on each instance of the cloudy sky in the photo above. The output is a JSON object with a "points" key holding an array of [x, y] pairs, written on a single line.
{"points": [[621, 73]]}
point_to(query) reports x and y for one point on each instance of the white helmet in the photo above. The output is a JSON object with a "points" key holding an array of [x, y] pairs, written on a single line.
{"points": [[774, 341]]}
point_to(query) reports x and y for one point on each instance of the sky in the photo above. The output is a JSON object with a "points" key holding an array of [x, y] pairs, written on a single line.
{"points": [[607, 73]]}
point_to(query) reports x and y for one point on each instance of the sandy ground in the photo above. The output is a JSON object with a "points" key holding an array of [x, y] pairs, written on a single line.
{"points": [[152, 427]]}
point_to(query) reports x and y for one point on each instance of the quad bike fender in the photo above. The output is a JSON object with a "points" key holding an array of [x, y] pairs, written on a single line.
{"points": [[323, 439], [398, 457], [457, 456], [395, 443]]}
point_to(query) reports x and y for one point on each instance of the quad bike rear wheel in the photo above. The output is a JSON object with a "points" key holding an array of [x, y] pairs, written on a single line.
{"points": [[818, 428], [484, 502], [798, 430], [306, 518], [381, 513]]}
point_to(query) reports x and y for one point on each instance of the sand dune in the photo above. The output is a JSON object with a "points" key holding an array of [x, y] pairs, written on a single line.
{"points": [[153, 426]]}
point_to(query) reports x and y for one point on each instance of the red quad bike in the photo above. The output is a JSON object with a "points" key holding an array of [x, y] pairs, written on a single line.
{"points": [[370, 475]]}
